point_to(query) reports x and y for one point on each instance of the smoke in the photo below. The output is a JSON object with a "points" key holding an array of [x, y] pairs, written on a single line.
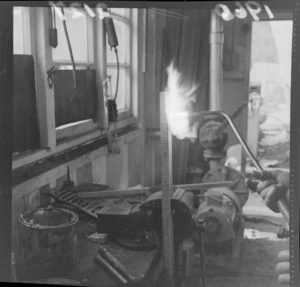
{"points": [[180, 95]]}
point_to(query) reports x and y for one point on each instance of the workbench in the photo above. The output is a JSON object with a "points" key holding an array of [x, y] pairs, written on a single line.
{"points": [[145, 266]]}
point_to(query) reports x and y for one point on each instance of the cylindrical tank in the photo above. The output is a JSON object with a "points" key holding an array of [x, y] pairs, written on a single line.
{"points": [[47, 244]]}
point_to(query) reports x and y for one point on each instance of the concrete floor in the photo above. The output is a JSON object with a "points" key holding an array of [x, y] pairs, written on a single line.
{"points": [[259, 251]]}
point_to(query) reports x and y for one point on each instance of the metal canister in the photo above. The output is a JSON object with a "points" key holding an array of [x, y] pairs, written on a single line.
{"points": [[47, 244]]}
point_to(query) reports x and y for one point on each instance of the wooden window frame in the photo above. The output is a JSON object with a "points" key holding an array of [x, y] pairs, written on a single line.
{"points": [[85, 131]]}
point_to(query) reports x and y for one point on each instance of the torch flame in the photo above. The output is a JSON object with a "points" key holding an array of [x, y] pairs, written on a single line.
{"points": [[179, 96]]}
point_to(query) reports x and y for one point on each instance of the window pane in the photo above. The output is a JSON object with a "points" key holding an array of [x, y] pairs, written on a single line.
{"points": [[75, 105], [119, 11], [112, 71], [122, 31], [18, 31], [77, 30]]}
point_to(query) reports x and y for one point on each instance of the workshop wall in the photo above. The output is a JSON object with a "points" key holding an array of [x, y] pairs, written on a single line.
{"points": [[236, 69], [97, 166]]}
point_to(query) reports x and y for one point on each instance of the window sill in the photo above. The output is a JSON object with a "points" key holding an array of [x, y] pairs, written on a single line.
{"points": [[42, 171], [68, 143]]}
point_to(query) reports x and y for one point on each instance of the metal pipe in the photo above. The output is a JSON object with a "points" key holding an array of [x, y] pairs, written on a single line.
{"points": [[111, 269], [216, 59]]}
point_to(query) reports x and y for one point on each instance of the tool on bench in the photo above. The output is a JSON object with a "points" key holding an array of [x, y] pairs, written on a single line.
{"points": [[100, 260], [109, 261]]}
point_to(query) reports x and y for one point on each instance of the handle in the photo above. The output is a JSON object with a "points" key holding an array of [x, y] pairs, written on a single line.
{"points": [[282, 203], [111, 269]]}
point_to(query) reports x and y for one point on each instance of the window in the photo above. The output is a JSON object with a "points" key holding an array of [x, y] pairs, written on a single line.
{"points": [[80, 30], [122, 22], [83, 112], [75, 109], [25, 119], [21, 33]]}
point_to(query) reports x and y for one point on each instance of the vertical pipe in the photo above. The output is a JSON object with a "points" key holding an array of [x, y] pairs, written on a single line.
{"points": [[167, 191], [215, 65]]}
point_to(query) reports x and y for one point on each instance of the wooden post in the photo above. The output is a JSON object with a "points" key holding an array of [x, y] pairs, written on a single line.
{"points": [[167, 191], [43, 62], [6, 112], [295, 151]]}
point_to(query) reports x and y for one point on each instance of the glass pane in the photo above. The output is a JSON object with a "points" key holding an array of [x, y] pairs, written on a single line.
{"points": [[119, 11], [122, 31], [18, 31], [112, 71], [77, 30]]}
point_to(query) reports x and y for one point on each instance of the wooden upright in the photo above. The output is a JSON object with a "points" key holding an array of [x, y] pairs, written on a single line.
{"points": [[167, 191]]}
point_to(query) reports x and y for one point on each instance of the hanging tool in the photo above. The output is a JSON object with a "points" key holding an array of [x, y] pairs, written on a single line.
{"points": [[113, 43], [52, 30], [111, 139]]}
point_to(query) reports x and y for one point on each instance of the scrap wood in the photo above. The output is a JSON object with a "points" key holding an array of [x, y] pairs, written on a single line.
{"points": [[115, 193], [147, 190]]}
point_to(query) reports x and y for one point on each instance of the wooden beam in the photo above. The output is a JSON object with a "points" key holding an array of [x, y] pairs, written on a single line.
{"points": [[114, 193], [6, 119], [167, 192], [147, 190], [43, 63]]}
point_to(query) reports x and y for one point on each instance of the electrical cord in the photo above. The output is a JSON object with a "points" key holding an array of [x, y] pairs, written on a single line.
{"points": [[118, 71], [69, 46]]}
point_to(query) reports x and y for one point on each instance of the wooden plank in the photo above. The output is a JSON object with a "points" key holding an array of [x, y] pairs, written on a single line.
{"points": [[207, 185], [146, 190], [167, 192], [43, 61], [114, 193]]}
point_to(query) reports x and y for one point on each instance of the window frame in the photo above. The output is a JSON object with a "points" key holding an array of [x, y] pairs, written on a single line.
{"points": [[81, 127], [85, 131], [90, 45], [26, 30]]}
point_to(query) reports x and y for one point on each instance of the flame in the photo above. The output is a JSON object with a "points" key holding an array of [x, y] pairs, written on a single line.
{"points": [[179, 97]]}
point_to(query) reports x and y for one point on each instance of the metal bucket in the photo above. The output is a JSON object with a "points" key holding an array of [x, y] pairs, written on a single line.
{"points": [[47, 244]]}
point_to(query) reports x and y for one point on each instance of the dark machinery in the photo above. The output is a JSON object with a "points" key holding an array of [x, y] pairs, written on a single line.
{"points": [[220, 209], [220, 214]]}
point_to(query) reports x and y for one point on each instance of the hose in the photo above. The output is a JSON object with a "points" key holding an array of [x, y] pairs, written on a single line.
{"points": [[118, 71], [70, 48]]}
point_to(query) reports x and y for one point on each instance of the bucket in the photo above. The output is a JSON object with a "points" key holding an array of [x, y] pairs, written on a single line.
{"points": [[47, 244]]}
